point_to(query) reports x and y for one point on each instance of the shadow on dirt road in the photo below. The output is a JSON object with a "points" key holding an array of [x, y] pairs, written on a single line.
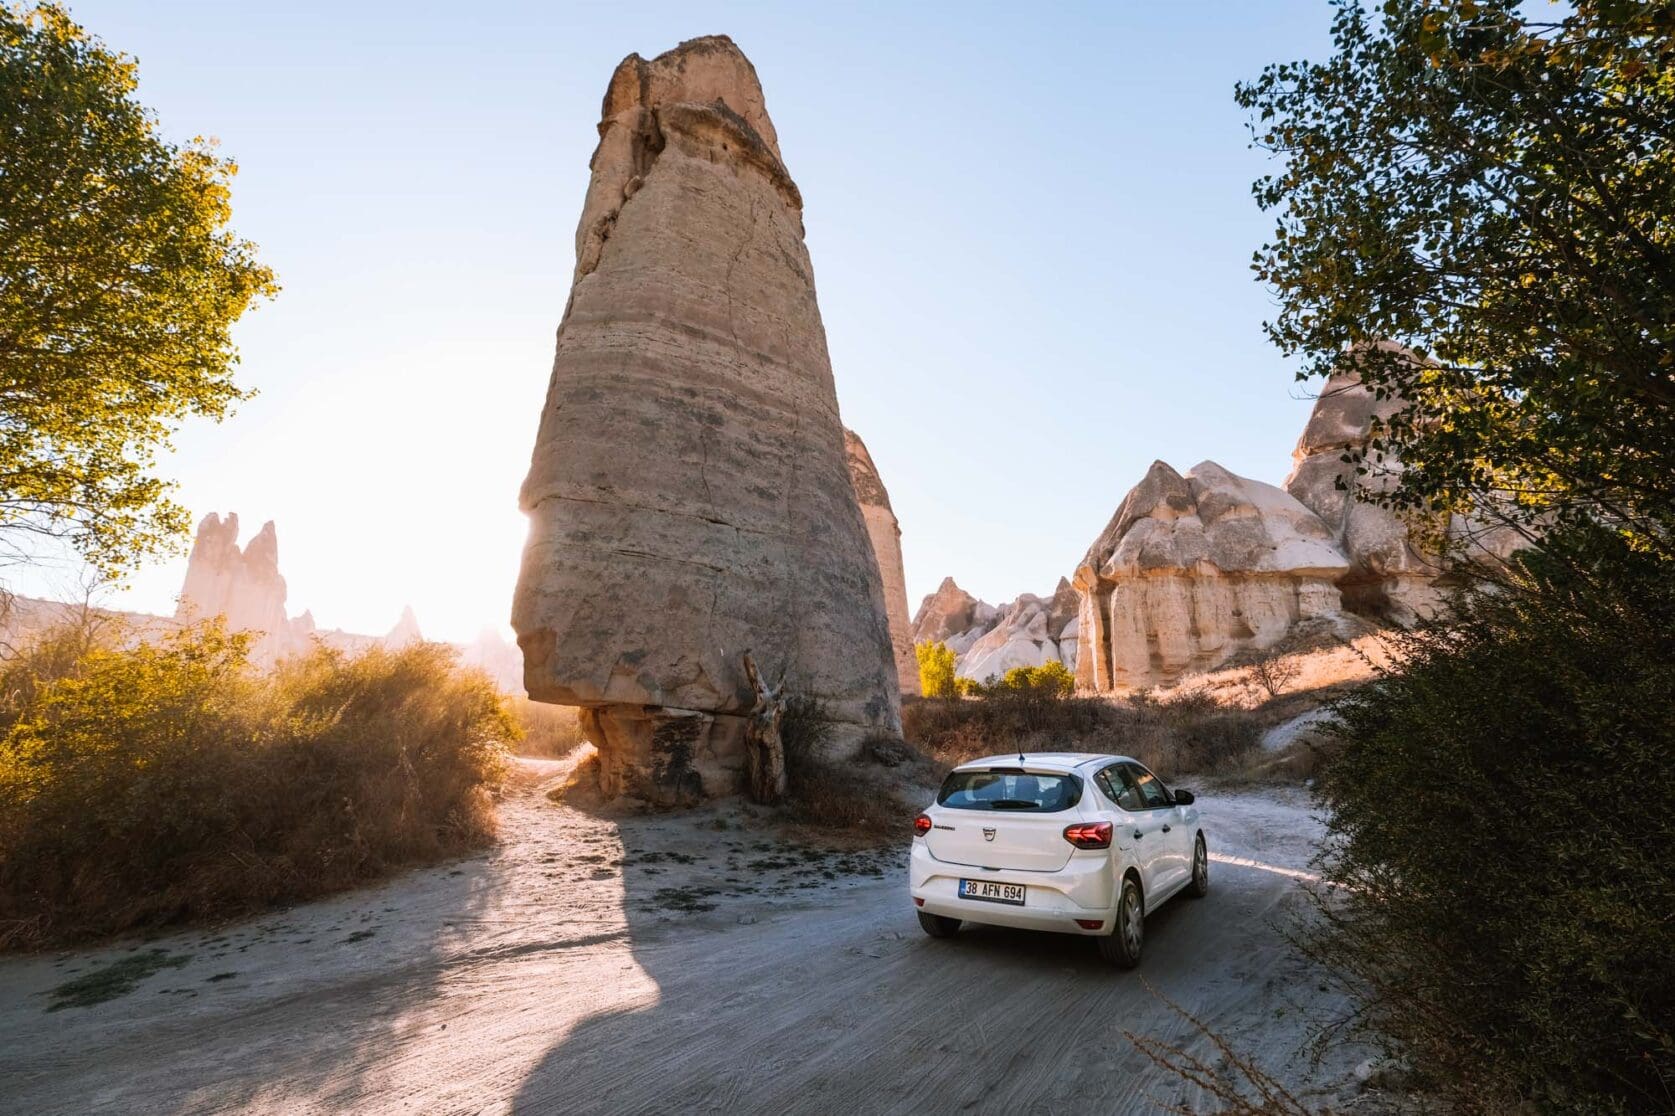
{"points": [[691, 963], [848, 1007]]}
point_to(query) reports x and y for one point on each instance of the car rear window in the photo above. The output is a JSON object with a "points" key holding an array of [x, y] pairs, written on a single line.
{"points": [[1009, 789]]}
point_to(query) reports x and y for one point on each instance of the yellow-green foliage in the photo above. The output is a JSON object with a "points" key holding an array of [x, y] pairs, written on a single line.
{"points": [[1050, 679], [167, 781], [936, 670], [120, 281]]}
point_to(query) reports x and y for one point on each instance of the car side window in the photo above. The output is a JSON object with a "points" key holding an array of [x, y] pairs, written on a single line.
{"points": [[1119, 788], [1152, 792]]}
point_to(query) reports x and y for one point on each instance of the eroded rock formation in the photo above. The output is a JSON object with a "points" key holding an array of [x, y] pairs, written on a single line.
{"points": [[885, 534], [1192, 570], [246, 589], [243, 586], [952, 616], [1396, 572], [989, 640], [1029, 632], [405, 632], [1388, 576], [689, 496]]}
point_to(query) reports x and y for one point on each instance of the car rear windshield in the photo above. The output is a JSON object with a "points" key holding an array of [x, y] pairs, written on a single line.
{"points": [[1009, 789]]}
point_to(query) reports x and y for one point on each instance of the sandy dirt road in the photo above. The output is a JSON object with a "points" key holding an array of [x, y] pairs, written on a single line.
{"points": [[692, 964]]}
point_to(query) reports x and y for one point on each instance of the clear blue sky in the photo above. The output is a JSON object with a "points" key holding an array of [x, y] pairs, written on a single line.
{"points": [[1031, 230]]}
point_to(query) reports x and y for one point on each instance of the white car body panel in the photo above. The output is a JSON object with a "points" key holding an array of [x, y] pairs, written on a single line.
{"points": [[1062, 883]]}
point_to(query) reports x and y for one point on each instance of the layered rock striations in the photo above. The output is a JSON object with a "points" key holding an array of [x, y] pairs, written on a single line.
{"points": [[1193, 570], [885, 533], [689, 495]]}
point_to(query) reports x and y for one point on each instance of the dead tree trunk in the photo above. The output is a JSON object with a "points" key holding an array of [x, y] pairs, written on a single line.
{"points": [[764, 750]]}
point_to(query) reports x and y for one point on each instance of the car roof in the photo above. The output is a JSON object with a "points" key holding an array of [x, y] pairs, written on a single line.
{"points": [[1043, 761]]}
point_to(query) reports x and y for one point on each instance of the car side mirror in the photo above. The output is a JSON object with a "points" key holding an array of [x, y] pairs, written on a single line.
{"points": [[1185, 798]]}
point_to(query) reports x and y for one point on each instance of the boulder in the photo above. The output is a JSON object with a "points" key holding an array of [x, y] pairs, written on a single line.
{"points": [[885, 534], [1193, 570], [689, 496]]}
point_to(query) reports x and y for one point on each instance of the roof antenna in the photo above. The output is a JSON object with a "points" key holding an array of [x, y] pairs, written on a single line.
{"points": [[1021, 759]]}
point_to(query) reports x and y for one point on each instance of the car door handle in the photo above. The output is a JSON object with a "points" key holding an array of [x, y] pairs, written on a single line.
{"points": [[1166, 829], [1138, 835]]}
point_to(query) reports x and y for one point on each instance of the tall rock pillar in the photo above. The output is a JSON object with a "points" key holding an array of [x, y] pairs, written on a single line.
{"points": [[689, 498]]}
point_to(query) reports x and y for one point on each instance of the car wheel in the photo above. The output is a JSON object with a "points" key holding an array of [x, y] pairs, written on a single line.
{"points": [[937, 926], [1200, 885], [1121, 947]]}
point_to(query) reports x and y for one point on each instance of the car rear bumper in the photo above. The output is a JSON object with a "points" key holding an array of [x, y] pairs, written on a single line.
{"points": [[1053, 901]]}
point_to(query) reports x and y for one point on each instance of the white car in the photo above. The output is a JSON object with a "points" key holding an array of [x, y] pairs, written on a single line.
{"points": [[1068, 842]]}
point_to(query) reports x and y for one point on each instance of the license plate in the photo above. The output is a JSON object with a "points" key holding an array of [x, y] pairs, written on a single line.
{"points": [[991, 892]]}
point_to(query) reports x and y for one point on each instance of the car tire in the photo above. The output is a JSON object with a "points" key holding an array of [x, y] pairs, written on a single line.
{"points": [[1199, 886], [1121, 947], [937, 926]]}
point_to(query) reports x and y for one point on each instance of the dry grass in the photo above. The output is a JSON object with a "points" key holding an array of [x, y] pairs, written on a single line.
{"points": [[859, 800], [548, 731], [581, 786], [1186, 734], [171, 782]]}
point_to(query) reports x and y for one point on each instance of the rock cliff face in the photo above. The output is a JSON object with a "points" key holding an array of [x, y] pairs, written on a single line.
{"points": [[244, 586], [1191, 570], [885, 534], [689, 496]]}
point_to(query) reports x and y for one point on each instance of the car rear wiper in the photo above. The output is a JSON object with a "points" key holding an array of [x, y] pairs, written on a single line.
{"points": [[1014, 804]]}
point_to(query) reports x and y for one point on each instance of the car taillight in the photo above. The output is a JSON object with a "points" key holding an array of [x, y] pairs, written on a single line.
{"points": [[1093, 835], [922, 826]]}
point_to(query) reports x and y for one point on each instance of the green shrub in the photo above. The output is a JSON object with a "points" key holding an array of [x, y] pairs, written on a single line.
{"points": [[1502, 816], [171, 781]]}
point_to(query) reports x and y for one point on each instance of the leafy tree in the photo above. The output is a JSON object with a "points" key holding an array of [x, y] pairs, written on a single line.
{"points": [[936, 670], [119, 281], [1495, 191], [1491, 184]]}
